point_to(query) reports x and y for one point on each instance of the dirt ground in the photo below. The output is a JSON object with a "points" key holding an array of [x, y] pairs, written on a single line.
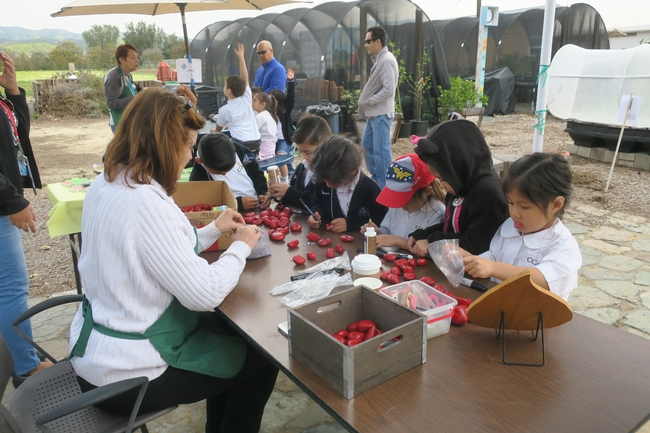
{"points": [[68, 148]]}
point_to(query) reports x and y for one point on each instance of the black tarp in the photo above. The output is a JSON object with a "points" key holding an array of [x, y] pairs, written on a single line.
{"points": [[500, 88]]}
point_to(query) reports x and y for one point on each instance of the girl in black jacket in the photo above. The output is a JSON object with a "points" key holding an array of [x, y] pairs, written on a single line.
{"points": [[457, 154], [343, 197], [310, 132]]}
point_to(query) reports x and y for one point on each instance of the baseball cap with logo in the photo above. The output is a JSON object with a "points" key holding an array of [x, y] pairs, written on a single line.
{"points": [[404, 176]]}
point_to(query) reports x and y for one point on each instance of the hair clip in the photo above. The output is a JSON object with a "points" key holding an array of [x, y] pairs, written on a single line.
{"points": [[188, 105]]}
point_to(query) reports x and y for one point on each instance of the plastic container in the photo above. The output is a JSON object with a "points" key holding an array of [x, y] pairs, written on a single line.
{"points": [[369, 282], [370, 241], [438, 318], [366, 265]]}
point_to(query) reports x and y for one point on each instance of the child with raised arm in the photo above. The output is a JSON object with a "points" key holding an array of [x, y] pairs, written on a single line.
{"points": [[238, 114], [538, 188], [310, 132], [414, 198], [344, 196]]}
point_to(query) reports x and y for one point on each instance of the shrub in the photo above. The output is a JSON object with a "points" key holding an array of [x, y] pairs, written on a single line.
{"points": [[461, 94], [83, 97]]}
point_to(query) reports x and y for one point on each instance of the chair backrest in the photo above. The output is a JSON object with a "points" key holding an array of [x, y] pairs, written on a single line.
{"points": [[6, 366], [7, 422], [47, 390]]}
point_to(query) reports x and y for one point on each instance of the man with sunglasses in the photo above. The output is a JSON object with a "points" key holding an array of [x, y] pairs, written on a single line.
{"points": [[271, 75], [377, 105]]}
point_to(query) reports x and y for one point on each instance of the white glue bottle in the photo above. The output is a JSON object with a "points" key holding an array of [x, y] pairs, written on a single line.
{"points": [[370, 240]]}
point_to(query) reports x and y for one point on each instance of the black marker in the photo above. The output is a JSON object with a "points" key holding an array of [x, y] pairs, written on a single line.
{"points": [[474, 285], [383, 253], [309, 210]]}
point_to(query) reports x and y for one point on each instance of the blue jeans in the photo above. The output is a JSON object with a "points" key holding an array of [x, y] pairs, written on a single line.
{"points": [[14, 292], [376, 147], [283, 148]]}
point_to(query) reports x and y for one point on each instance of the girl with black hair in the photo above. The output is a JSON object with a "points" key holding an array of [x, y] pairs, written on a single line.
{"points": [[310, 132], [538, 188], [344, 197]]}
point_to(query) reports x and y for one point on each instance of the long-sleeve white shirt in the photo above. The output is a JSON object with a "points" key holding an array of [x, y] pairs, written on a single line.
{"points": [[138, 253]]}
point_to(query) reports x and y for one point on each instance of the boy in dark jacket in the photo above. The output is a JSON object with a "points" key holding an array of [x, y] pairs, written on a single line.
{"points": [[218, 158], [457, 154]]}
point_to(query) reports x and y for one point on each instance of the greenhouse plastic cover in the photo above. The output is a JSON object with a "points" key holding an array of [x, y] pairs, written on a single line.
{"points": [[587, 85]]}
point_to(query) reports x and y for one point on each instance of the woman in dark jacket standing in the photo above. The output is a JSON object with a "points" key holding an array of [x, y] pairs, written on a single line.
{"points": [[17, 171]]}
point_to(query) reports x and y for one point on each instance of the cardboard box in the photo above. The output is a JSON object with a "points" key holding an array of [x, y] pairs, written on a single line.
{"points": [[353, 370], [209, 192]]}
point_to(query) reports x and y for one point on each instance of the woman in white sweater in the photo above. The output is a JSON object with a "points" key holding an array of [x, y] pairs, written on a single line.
{"points": [[148, 294]]}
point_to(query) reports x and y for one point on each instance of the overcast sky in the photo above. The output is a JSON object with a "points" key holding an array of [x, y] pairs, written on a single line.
{"points": [[35, 14]]}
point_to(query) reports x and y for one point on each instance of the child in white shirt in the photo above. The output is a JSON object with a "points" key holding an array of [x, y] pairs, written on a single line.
{"points": [[414, 198], [538, 188], [238, 115], [267, 121]]}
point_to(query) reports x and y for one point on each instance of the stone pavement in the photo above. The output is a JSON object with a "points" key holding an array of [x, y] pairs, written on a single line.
{"points": [[614, 288]]}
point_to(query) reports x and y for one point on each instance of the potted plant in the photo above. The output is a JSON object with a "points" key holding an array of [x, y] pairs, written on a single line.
{"points": [[462, 97], [419, 86]]}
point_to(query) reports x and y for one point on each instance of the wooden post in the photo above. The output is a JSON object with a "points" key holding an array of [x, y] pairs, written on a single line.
{"points": [[362, 56]]}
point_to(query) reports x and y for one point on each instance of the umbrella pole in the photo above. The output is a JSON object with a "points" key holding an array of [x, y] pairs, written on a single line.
{"points": [[181, 6]]}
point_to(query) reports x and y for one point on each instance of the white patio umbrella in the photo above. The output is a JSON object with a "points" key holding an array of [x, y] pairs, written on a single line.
{"points": [[144, 7]]}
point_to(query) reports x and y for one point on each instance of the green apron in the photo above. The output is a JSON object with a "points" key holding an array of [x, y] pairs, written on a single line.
{"points": [[178, 339], [128, 89]]}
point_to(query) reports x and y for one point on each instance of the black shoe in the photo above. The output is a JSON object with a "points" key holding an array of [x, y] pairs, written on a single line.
{"points": [[17, 380]]}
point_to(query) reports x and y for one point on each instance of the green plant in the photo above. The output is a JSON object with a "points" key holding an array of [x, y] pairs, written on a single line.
{"points": [[352, 99], [461, 94], [419, 86]]}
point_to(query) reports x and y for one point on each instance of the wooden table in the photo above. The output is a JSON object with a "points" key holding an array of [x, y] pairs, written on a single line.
{"points": [[595, 380]]}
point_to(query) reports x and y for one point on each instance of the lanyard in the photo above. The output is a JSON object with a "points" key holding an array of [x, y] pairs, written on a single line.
{"points": [[12, 120]]}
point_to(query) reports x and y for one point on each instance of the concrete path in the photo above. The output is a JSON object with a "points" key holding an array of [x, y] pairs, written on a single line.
{"points": [[614, 288]]}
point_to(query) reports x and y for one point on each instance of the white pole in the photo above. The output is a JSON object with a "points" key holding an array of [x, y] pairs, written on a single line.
{"points": [[544, 63], [479, 80], [618, 145]]}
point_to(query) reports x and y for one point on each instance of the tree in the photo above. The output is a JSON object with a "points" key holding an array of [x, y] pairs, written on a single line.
{"points": [[41, 61], [141, 35], [101, 58], [167, 42], [22, 61], [101, 36], [152, 55], [178, 51], [64, 53]]}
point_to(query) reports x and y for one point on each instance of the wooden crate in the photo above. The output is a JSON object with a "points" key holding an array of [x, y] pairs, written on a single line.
{"points": [[353, 370]]}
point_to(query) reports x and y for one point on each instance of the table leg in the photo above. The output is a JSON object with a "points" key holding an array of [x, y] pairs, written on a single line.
{"points": [[75, 254]]}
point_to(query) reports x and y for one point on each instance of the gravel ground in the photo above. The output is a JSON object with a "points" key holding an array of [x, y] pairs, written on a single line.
{"points": [[60, 157]]}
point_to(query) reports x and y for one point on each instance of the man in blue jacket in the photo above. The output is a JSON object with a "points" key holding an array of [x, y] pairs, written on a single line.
{"points": [[271, 75]]}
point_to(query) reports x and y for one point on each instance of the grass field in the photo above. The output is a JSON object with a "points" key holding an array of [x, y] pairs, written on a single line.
{"points": [[25, 78]]}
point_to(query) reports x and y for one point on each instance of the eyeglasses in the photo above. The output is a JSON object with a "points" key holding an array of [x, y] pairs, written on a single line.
{"points": [[367, 41], [261, 53]]}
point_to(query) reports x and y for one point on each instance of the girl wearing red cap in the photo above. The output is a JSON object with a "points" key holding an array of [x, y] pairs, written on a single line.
{"points": [[414, 198]]}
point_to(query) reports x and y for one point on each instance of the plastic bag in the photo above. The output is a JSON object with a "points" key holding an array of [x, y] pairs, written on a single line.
{"points": [[446, 256], [262, 247], [294, 285], [342, 261], [318, 288], [325, 108]]}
